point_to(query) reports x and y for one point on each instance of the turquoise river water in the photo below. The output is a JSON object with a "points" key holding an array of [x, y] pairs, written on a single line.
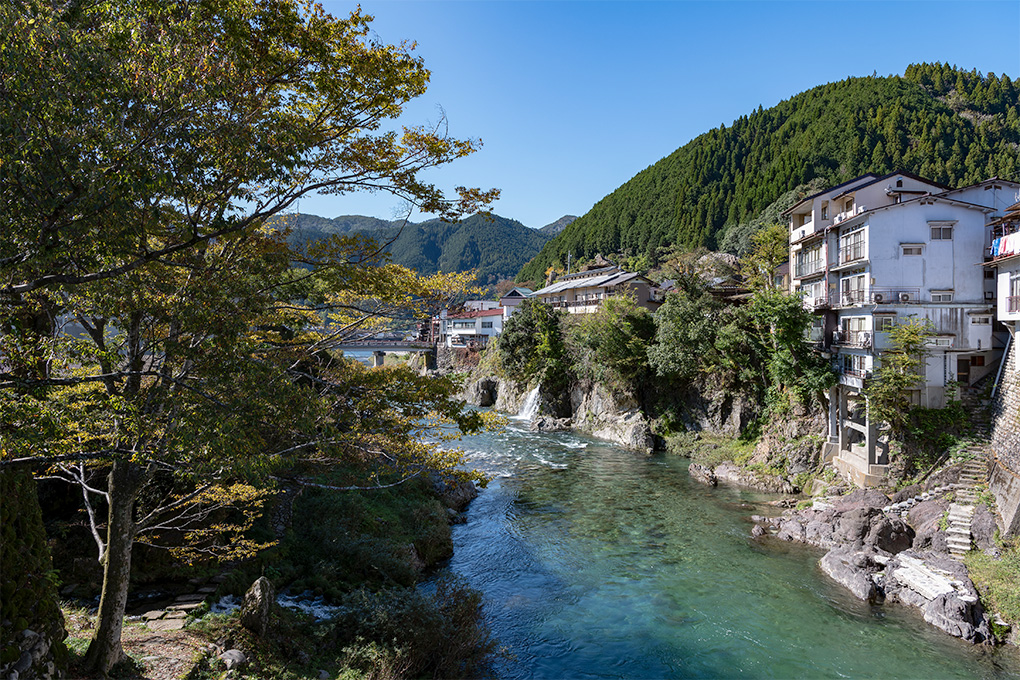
{"points": [[596, 562]]}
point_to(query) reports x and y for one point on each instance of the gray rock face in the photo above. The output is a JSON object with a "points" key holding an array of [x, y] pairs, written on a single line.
{"points": [[549, 424], [256, 606], [926, 518], [729, 472], [617, 418], [481, 392], [454, 493], [982, 527]]}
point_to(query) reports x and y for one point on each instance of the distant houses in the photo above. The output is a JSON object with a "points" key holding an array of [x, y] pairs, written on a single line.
{"points": [[877, 251], [584, 291]]}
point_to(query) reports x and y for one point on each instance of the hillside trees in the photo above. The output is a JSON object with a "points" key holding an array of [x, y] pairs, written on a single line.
{"points": [[943, 123], [145, 145]]}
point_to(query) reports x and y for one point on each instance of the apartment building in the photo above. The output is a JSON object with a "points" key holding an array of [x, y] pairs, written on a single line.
{"points": [[876, 251]]}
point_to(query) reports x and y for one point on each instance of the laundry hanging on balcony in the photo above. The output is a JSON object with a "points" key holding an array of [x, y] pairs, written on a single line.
{"points": [[1006, 245]]}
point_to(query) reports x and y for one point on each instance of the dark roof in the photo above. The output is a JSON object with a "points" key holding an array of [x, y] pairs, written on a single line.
{"points": [[874, 180]]}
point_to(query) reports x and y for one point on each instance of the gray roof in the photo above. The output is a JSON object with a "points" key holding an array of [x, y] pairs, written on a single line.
{"points": [[604, 280]]}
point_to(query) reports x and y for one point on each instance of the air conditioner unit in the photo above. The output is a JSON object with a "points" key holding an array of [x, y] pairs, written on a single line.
{"points": [[879, 298], [904, 297]]}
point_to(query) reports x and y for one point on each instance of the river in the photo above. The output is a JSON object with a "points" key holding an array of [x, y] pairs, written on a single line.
{"points": [[596, 562]]}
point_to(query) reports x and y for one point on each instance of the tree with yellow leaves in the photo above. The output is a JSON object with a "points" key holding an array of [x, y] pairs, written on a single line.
{"points": [[154, 331]]}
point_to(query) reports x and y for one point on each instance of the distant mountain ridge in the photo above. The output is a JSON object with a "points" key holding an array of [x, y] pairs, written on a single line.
{"points": [[953, 126], [559, 225], [496, 246]]}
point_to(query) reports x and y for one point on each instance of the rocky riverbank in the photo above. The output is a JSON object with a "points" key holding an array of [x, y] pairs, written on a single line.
{"points": [[886, 549]]}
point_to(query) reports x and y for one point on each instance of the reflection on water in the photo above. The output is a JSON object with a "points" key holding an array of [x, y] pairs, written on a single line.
{"points": [[596, 562]]}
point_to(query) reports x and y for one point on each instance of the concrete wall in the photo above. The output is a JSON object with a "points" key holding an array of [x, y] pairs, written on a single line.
{"points": [[1005, 478]]}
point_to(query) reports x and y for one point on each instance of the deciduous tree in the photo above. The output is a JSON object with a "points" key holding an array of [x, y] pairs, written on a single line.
{"points": [[145, 145]]}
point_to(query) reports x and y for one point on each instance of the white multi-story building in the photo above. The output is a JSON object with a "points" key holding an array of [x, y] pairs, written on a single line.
{"points": [[877, 251]]}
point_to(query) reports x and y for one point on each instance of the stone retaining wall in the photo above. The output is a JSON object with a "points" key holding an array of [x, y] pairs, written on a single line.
{"points": [[1005, 473]]}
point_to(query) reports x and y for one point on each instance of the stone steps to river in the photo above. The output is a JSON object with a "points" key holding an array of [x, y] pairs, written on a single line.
{"points": [[961, 511]]}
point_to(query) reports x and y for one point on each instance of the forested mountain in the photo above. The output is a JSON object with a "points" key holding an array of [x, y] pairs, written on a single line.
{"points": [[937, 121], [496, 246]]}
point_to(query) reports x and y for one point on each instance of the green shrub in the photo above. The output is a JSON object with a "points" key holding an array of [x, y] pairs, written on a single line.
{"points": [[414, 633]]}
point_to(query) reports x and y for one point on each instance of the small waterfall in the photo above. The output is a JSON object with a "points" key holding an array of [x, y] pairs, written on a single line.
{"points": [[529, 409]]}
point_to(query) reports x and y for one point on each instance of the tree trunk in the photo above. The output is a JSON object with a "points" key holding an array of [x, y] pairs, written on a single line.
{"points": [[124, 482]]}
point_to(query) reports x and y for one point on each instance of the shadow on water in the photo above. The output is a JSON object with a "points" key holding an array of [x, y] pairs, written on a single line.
{"points": [[596, 562]]}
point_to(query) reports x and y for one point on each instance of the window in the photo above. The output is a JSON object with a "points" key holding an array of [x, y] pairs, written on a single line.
{"points": [[886, 323], [486, 324], [851, 246], [989, 273], [899, 184], [981, 320], [977, 360], [825, 211], [942, 296], [849, 205], [911, 250], [941, 233]]}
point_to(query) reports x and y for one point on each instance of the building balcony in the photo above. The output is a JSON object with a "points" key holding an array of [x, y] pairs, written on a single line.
{"points": [[851, 338]]}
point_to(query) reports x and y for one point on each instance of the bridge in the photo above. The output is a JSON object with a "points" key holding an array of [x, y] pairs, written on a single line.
{"points": [[378, 348]]}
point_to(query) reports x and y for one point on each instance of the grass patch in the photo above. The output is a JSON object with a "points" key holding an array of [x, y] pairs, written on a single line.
{"points": [[714, 450], [998, 580]]}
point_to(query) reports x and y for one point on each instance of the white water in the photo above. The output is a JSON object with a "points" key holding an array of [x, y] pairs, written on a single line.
{"points": [[530, 407]]}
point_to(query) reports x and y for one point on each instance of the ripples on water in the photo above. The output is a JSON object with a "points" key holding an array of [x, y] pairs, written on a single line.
{"points": [[596, 562]]}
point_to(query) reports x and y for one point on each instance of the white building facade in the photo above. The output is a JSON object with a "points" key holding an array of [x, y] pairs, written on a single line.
{"points": [[878, 251]]}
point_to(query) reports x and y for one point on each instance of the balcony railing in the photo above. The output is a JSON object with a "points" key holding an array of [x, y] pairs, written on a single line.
{"points": [[851, 338], [1013, 304], [850, 298], [808, 268]]}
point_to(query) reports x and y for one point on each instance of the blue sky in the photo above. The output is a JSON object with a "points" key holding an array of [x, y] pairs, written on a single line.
{"points": [[572, 99]]}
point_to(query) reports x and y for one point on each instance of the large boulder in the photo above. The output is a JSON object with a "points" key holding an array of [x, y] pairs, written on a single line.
{"points": [[940, 588], [702, 473], [927, 519], [257, 605], [852, 569]]}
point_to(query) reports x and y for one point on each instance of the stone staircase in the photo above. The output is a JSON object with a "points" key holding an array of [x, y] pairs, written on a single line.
{"points": [[961, 512]]}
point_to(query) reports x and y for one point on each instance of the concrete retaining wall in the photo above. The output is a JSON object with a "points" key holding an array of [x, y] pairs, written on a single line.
{"points": [[1005, 473]]}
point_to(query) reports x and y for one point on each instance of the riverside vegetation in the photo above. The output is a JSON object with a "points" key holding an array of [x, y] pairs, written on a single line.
{"points": [[173, 360]]}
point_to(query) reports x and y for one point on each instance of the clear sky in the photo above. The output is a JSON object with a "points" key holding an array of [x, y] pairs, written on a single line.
{"points": [[572, 99]]}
